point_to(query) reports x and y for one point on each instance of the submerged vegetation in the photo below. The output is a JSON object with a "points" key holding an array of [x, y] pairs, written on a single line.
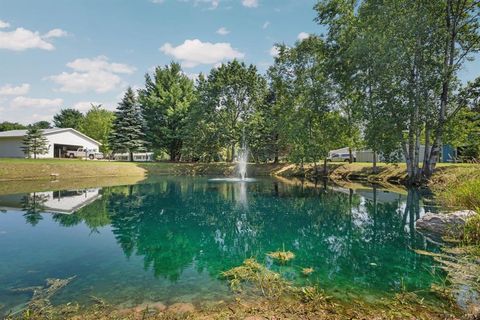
{"points": [[259, 277], [281, 257]]}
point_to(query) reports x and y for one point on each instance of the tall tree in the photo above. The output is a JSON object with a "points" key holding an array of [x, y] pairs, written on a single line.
{"points": [[203, 140], [235, 90], [97, 124], [339, 16], [34, 143], [68, 118], [165, 103], [127, 133], [460, 35]]}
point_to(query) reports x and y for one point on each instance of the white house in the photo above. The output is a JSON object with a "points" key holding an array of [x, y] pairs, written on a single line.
{"points": [[65, 202], [60, 141]]}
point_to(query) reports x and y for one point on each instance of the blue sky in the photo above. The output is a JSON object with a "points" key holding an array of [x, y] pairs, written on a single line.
{"points": [[69, 53]]}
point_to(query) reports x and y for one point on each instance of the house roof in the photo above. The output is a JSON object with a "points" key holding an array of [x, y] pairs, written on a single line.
{"points": [[22, 133]]}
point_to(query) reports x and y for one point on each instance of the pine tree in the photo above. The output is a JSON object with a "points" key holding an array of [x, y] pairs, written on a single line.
{"points": [[127, 133], [34, 142]]}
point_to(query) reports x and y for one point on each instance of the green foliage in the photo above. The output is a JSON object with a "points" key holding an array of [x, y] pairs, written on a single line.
{"points": [[68, 118], [34, 143], [41, 125], [472, 229], [165, 103], [7, 126], [97, 124], [203, 130], [127, 133]]}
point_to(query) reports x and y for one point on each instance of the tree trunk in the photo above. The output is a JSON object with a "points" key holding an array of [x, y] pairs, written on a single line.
{"points": [[276, 158], [448, 62], [374, 165], [427, 150], [131, 156], [233, 152], [325, 167]]}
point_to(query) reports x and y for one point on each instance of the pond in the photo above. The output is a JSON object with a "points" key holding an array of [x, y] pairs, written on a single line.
{"points": [[169, 240]]}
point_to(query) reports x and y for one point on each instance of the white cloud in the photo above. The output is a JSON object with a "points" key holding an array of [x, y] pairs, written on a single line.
{"points": [[9, 90], [302, 36], [250, 3], [266, 25], [26, 102], [274, 51], [100, 63], [223, 31], [84, 106], [195, 52], [55, 33], [96, 74], [4, 24], [213, 3], [22, 39]]}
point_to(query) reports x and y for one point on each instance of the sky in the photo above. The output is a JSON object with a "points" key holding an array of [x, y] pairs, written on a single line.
{"points": [[56, 54]]}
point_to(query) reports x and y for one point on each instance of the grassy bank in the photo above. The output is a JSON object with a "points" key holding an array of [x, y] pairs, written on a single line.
{"points": [[47, 169], [67, 169]]}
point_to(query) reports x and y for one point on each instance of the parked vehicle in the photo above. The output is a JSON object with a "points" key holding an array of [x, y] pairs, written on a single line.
{"points": [[340, 157], [85, 153]]}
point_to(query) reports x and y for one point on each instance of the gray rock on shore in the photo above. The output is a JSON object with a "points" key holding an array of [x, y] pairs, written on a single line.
{"points": [[436, 226]]}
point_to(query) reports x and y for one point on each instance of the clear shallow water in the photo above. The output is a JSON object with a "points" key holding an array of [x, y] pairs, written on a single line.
{"points": [[169, 240]]}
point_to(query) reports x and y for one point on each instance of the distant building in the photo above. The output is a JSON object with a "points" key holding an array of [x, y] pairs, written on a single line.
{"points": [[447, 154], [60, 141], [137, 156]]}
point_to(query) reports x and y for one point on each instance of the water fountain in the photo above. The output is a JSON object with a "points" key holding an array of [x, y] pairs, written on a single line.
{"points": [[240, 168], [242, 162]]}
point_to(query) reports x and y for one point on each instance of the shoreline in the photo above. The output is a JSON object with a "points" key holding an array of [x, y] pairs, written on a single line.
{"points": [[48, 169]]}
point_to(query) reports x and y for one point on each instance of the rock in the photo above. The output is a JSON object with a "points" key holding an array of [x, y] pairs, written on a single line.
{"points": [[436, 226], [181, 308]]}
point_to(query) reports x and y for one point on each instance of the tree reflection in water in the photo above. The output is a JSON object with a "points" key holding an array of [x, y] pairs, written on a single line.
{"points": [[351, 238], [33, 204]]}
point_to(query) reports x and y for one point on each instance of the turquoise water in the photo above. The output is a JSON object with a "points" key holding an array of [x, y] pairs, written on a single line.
{"points": [[169, 240]]}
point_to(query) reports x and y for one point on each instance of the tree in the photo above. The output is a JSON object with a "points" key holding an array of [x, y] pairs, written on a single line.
{"points": [[68, 118], [235, 91], [35, 143], [459, 25], [41, 125], [97, 124], [7, 126], [203, 133], [127, 133], [339, 16], [463, 128], [165, 103]]}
